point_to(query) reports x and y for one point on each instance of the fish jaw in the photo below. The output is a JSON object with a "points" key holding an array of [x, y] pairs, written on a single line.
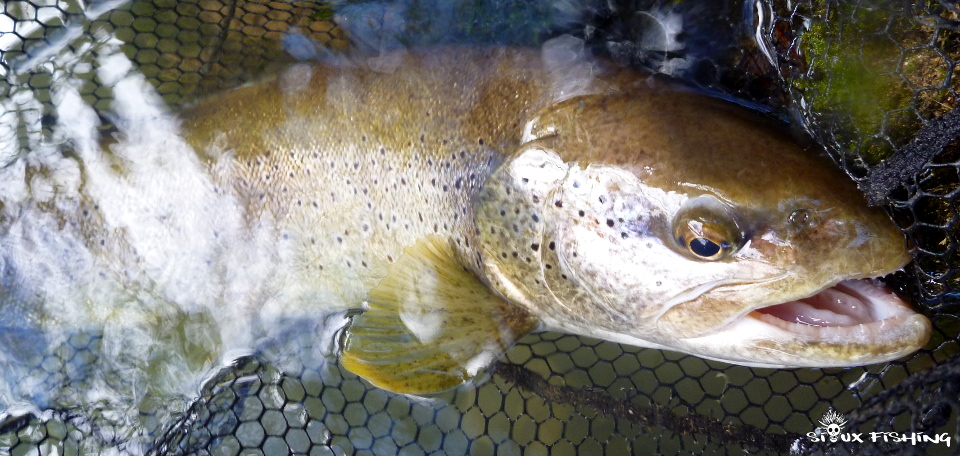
{"points": [[852, 323]]}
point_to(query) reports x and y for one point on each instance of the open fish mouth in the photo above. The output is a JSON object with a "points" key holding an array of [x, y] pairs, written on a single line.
{"points": [[852, 309]]}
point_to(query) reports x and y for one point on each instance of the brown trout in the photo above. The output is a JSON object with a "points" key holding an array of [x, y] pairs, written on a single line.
{"points": [[463, 197]]}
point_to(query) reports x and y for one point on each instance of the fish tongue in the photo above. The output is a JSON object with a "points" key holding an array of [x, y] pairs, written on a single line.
{"points": [[841, 305]]}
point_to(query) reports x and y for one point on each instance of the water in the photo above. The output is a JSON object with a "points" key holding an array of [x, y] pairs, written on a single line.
{"points": [[178, 363]]}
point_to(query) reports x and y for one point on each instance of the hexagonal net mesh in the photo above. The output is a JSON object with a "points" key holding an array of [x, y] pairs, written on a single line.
{"points": [[876, 84]]}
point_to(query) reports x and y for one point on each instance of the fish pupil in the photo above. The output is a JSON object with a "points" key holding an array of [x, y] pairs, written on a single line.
{"points": [[704, 247]]}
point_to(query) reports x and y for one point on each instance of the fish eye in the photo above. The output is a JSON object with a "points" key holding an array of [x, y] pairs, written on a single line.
{"points": [[706, 229], [703, 241]]}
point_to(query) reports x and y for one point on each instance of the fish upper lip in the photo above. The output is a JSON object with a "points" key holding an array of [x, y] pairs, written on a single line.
{"points": [[838, 312]]}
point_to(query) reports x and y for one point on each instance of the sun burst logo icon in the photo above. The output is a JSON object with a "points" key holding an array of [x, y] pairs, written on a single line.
{"points": [[833, 423]]}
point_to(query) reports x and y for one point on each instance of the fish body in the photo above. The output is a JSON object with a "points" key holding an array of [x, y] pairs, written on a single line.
{"points": [[462, 197]]}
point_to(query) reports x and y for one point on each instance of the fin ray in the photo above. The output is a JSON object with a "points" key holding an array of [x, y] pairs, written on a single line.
{"points": [[431, 324]]}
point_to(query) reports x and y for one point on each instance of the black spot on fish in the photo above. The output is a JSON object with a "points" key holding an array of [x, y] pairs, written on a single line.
{"points": [[624, 235], [383, 151], [480, 141], [503, 213], [445, 188], [576, 184], [580, 213], [659, 283], [458, 182], [558, 204], [366, 227], [535, 218], [515, 254], [553, 246], [356, 165], [610, 222], [535, 247], [364, 263], [549, 266], [564, 276], [504, 254], [524, 180], [363, 138]]}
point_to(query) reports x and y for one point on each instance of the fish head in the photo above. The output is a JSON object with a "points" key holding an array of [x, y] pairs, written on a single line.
{"points": [[677, 222]]}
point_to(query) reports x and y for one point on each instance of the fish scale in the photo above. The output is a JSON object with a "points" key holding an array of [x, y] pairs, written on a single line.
{"points": [[352, 201], [421, 191], [465, 153]]}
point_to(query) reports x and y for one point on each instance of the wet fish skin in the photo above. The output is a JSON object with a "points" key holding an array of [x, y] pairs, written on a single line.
{"points": [[353, 165], [559, 184]]}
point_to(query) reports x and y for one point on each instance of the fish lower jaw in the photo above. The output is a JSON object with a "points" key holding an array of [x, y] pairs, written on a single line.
{"points": [[859, 305], [863, 334], [855, 322]]}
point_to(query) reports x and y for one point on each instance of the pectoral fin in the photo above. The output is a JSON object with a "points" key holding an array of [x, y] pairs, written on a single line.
{"points": [[431, 324]]}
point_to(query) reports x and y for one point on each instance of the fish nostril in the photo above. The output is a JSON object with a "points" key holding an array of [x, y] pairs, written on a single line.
{"points": [[802, 218]]}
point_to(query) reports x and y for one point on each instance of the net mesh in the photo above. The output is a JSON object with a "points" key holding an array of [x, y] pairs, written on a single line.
{"points": [[875, 83]]}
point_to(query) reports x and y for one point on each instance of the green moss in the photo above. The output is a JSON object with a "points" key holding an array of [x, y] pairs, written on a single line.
{"points": [[855, 81]]}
